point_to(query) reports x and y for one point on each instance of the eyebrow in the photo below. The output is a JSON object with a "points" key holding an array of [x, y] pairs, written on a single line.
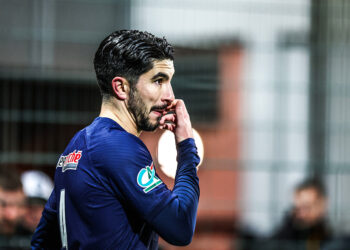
{"points": [[160, 75]]}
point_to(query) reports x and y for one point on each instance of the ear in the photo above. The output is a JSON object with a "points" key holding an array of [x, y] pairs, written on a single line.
{"points": [[120, 87]]}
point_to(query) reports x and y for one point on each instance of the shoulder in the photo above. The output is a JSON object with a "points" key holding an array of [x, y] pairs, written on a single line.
{"points": [[109, 145], [106, 134], [123, 142], [117, 145]]}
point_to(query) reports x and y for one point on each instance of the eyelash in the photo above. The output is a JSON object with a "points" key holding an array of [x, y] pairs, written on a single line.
{"points": [[159, 81]]}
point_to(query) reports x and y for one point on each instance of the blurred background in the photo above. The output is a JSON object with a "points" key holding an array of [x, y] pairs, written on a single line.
{"points": [[266, 83]]}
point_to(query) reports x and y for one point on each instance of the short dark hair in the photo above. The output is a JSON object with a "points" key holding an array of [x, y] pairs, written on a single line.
{"points": [[312, 183], [129, 54], [10, 179]]}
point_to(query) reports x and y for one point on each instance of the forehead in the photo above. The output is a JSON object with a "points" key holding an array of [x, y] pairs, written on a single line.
{"points": [[307, 195], [8, 196], [165, 66]]}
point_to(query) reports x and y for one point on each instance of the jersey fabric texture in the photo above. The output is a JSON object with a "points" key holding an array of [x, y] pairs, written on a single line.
{"points": [[108, 196]]}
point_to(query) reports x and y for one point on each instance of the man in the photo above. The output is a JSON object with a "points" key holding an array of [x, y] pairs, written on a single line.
{"points": [[12, 202], [306, 224], [107, 194], [37, 187]]}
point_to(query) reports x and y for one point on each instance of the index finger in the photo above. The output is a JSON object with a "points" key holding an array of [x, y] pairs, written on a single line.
{"points": [[172, 104]]}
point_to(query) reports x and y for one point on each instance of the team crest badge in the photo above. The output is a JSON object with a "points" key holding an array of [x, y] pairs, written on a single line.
{"points": [[147, 178]]}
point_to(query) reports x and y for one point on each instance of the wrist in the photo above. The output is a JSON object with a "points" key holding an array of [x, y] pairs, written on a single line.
{"points": [[186, 151], [178, 140], [179, 137]]}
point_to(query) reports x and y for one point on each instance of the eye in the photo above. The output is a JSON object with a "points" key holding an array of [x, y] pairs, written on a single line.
{"points": [[158, 81]]}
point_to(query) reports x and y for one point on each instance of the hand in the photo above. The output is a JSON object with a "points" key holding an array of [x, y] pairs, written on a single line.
{"points": [[177, 120]]}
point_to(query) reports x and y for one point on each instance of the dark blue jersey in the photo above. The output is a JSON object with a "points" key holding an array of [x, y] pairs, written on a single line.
{"points": [[107, 194]]}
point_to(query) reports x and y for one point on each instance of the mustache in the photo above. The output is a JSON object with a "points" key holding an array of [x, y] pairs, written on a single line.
{"points": [[160, 107]]}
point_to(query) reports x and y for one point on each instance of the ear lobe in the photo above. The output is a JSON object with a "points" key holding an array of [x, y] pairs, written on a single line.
{"points": [[120, 87]]}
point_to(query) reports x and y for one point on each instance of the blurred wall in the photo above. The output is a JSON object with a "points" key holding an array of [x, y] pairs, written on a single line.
{"points": [[273, 104], [219, 172], [329, 45], [286, 92]]}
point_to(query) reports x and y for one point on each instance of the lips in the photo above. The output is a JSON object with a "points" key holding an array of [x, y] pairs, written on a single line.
{"points": [[158, 110]]}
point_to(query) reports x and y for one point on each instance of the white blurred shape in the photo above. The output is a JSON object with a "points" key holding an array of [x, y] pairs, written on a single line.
{"points": [[36, 184], [167, 152]]}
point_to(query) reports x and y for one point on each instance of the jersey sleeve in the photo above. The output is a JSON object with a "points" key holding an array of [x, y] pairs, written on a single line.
{"points": [[176, 221], [47, 235], [130, 172]]}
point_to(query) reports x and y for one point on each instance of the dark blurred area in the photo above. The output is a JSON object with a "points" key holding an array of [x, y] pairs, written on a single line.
{"points": [[22, 200], [266, 83], [305, 226]]}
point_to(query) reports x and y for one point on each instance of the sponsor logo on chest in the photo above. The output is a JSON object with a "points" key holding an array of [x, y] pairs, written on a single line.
{"points": [[70, 161]]}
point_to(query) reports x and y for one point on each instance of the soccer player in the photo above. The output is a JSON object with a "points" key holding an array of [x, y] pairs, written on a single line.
{"points": [[107, 194]]}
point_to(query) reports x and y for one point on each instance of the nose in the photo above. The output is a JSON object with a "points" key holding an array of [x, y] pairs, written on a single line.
{"points": [[11, 213], [168, 93]]}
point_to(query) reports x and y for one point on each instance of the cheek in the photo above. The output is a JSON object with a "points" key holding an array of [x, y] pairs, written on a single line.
{"points": [[152, 96]]}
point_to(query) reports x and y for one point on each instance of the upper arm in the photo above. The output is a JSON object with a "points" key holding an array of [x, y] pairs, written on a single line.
{"points": [[129, 171]]}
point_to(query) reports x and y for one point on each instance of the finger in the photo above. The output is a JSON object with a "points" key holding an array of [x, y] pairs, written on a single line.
{"points": [[170, 127], [168, 118], [181, 111], [170, 111], [172, 105], [183, 122]]}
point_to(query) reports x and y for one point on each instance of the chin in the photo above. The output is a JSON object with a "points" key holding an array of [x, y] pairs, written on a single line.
{"points": [[149, 127], [153, 127], [153, 124]]}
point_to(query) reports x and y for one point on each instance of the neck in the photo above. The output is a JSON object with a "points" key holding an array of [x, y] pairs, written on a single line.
{"points": [[118, 112]]}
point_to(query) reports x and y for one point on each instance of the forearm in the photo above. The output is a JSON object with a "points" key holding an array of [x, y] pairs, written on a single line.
{"points": [[176, 222]]}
